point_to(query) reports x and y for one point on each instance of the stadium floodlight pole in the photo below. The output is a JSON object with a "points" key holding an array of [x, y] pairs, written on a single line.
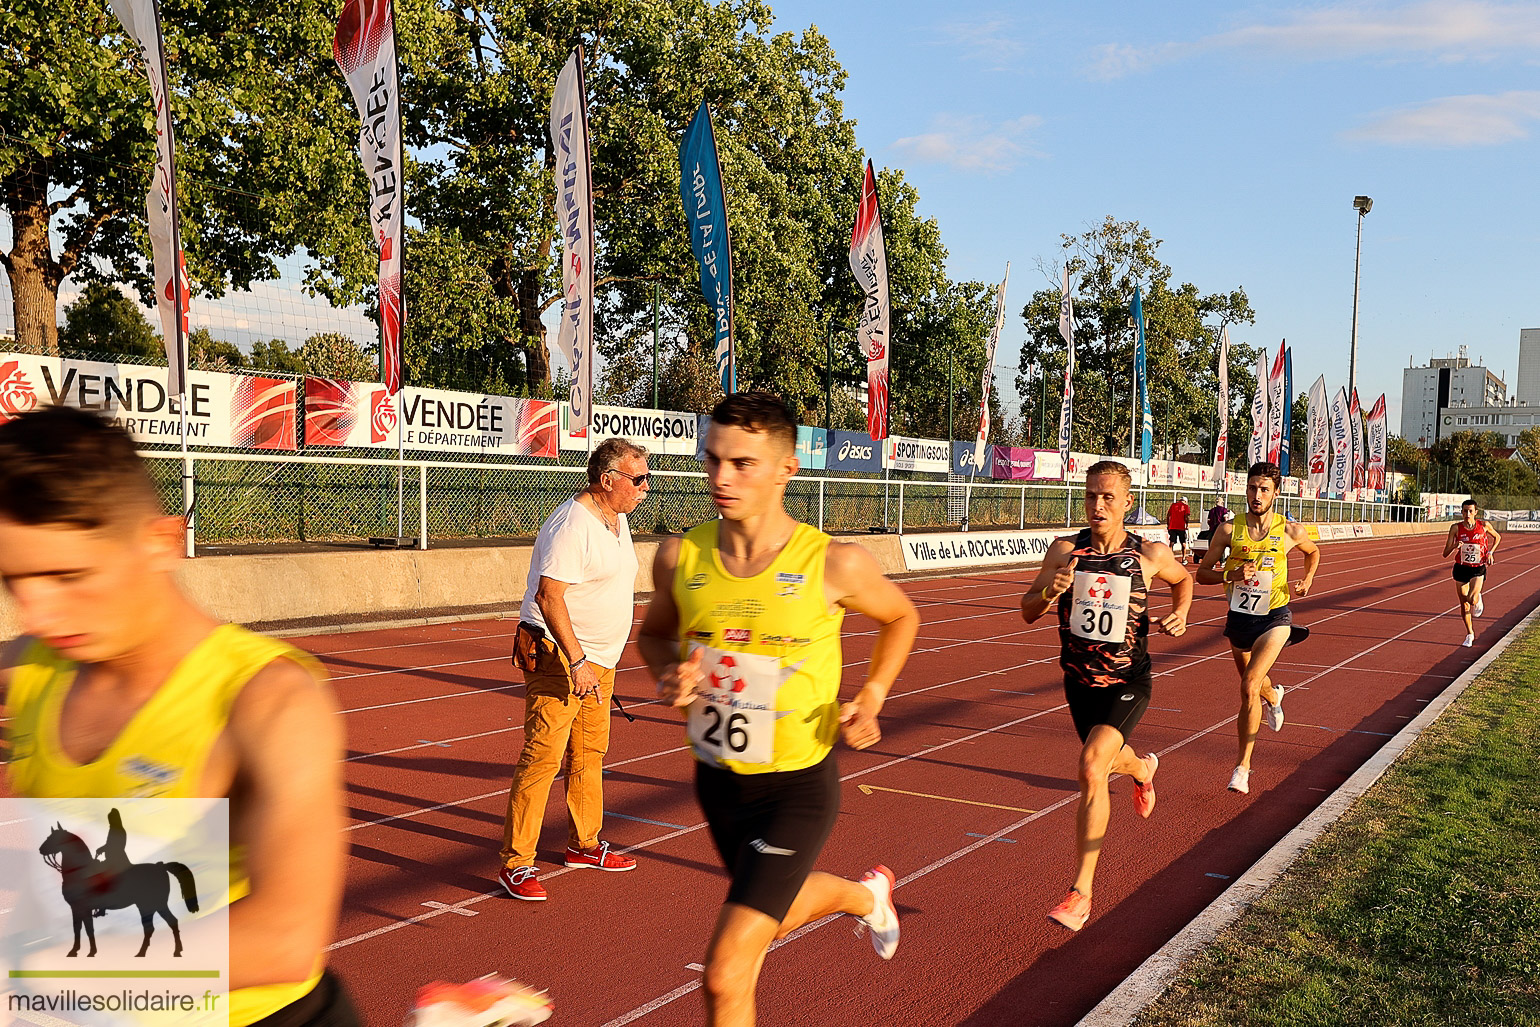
{"points": [[1363, 205]]}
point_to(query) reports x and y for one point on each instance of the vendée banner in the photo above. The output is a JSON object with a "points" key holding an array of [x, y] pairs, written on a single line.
{"points": [[575, 216], [354, 414], [869, 263], [1356, 427], [705, 209], [365, 49], [141, 20], [235, 411], [1376, 443]]}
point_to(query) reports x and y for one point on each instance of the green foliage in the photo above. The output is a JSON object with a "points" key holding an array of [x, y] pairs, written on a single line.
{"points": [[460, 334], [1529, 447], [275, 355], [1182, 327], [334, 355], [103, 320], [1470, 453], [207, 353], [1404, 455]]}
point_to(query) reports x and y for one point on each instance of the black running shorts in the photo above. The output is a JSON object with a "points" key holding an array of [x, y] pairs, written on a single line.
{"points": [[1464, 574], [326, 1005], [1243, 629], [1177, 535], [769, 828], [1119, 706]]}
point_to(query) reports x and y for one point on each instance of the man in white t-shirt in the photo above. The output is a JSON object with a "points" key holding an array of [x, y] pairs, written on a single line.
{"points": [[573, 625]]}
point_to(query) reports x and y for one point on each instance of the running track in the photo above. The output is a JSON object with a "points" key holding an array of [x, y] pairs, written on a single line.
{"points": [[976, 724]]}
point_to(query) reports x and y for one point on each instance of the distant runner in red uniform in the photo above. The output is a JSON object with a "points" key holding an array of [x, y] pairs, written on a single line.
{"points": [[1473, 541]]}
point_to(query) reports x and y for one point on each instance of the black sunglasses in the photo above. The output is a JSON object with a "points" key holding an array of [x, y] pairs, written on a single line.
{"points": [[638, 481]]}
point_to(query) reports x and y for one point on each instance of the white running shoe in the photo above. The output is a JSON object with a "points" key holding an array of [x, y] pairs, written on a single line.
{"points": [[1470, 640], [1240, 781], [1274, 711], [1475, 611], [883, 919]]}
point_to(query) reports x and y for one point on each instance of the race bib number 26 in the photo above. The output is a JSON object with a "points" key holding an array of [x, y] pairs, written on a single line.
{"points": [[733, 716]]}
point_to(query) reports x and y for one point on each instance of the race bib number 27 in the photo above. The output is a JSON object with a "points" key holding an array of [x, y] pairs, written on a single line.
{"points": [[733, 715], [1253, 595]]}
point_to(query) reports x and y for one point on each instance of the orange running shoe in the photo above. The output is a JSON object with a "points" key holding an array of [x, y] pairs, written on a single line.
{"points": [[1144, 793], [1073, 912]]}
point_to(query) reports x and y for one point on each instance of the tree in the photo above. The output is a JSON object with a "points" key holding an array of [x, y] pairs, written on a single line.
{"points": [[257, 103], [1182, 329], [334, 355], [1528, 448], [275, 355], [105, 321], [1404, 456], [1470, 453], [207, 353]]}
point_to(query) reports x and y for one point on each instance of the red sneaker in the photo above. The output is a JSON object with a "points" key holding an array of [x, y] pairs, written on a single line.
{"points": [[1144, 794], [521, 883], [1073, 912], [599, 858]]}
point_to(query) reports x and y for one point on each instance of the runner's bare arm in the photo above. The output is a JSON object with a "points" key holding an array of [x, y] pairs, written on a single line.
{"points": [[1174, 574], [853, 580], [1304, 544], [1450, 539], [1209, 572], [658, 639], [1054, 578], [287, 813]]}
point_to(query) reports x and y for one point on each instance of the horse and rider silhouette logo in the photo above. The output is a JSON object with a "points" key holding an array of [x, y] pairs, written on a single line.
{"points": [[91, 886]]}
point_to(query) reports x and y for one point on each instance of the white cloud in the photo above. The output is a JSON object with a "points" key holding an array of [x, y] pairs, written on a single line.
{"points": [[1454, 121], [969, 143], [1444, 30], [993, 42]]}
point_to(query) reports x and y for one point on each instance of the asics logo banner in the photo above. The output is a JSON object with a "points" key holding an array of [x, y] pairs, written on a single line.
{"points": [[854, 452]]}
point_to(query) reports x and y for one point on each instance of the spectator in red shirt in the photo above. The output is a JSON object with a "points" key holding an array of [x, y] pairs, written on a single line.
{"points": [[1176, 525]]}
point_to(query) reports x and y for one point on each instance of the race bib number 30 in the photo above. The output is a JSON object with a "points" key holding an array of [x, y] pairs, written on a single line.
{"points": [[1099, 610], [1471, 553], [733, 716], [1253, 595]]}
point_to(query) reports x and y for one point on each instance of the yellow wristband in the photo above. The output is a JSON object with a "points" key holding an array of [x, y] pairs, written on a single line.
{"points": [[1046, 597]]}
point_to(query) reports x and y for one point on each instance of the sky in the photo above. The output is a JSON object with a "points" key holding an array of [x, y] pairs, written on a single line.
{"points": [[1239, 135]]}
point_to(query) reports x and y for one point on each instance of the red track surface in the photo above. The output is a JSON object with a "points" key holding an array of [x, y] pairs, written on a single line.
{"points": [[434, 722]]}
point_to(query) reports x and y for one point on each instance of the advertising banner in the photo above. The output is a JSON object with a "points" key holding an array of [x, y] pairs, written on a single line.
{"points": [[925, 455], [705, 213], [339, 413], [235, 411], [962, 461], [1012, 463], [575, 216], [854, 451], [658, 431], [812, 446], [976, 548], [869, 263]]}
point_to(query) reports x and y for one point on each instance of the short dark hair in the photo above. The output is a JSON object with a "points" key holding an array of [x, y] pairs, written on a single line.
{"points": [[1468, 502], [62, 465], [758, 412], [608, 454], [1266, 469], [1113, 467]]}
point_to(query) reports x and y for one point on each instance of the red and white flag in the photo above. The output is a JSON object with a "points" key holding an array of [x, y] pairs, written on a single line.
{"points": [[989, 368], [1276, 401], [1066, 409], [1221, 443], [1376, 445], [869, 262], [365, 49], [141, 20], [1256, 449], [1356, 429], [1319, 436], [575, 219]]}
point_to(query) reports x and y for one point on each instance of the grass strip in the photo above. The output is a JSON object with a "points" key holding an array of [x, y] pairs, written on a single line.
{"points": [[1421, 906]]}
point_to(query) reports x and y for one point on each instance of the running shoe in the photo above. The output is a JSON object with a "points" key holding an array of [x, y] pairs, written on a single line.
{"points": [[1240, 781], [883, 919], [599, 858], [489, 1002], [1470, 640], [1144, 792], [1475, 611], [1274, 711], [1073, 912], [521, 883]]}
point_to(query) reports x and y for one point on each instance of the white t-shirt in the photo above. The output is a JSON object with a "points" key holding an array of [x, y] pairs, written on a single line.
{"points": [[599, 568]]}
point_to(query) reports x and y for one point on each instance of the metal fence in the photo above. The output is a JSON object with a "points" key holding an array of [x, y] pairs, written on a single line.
{"points": [[272, 498]]}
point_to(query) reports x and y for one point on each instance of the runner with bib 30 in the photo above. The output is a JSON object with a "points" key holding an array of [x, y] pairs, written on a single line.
{"points": [[744, 630], [1259, 624], [1099, 582]]}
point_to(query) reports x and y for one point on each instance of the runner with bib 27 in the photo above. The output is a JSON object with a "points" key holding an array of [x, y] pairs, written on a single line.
{"points": [[1259, 624], [1099, 582]]}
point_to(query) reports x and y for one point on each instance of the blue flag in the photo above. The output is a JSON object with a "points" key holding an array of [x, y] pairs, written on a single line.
{"points": [[1142, 384], [705, 211], [1288, 409]]}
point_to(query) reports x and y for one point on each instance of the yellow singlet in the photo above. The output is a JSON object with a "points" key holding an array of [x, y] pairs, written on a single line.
{"points": [[161, 752], [1271, 556], [772, 659]]}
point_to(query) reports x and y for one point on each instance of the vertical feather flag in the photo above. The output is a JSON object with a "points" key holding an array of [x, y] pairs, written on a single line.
{"points": [[869, 262], [989, 368], [1356, 427], [1256, 449], [141, 20], [1141, 382], [1222, 436], [1319, 442], [365, 49], [1276, 403], [705, 209], [575, 216], [1376, 445], [1067, 333], [1288, 410], [1341, 477]]}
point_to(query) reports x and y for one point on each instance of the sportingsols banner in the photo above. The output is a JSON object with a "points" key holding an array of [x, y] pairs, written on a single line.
{"points": [[1376, 442], [1221, 443], [854, 451], [575, 218], [1256, 449], [1319, 435], [926, 455], [987, 378], [1067, 333], [705, 213], [354, 414], [141, 20], [365, 49], [812, 447], [235, 411], [1340, 478], [659, 431], [869, 262]]}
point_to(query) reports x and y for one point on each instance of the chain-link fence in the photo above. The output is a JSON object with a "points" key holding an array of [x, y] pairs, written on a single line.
{"points": [[247, 498]]}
